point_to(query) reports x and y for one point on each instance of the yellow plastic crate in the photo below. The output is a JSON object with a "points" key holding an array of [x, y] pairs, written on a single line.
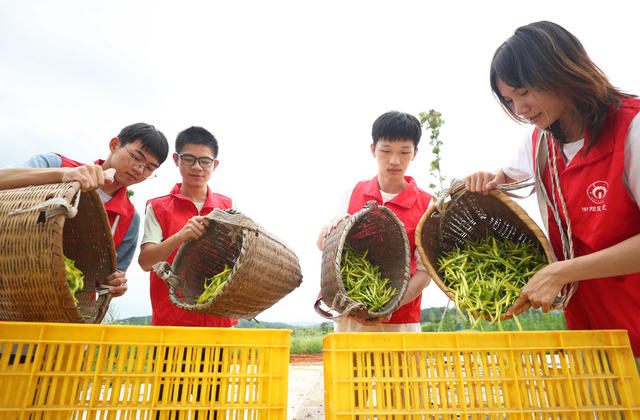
{"points": [[64, 371], [493, 375]]}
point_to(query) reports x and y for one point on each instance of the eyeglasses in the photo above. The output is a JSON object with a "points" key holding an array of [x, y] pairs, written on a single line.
{"points": [[190, 160], [137, 163]]}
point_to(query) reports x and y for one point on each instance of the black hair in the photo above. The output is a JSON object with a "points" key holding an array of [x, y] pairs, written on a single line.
{"points": [[152, 139], [196, 135], [543, 55], [394, 125]]}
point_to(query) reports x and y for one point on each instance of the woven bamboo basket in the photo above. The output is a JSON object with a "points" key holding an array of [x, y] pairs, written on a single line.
{"points": [[38, 227], [467, 215], [376, 229], [264, 270]]}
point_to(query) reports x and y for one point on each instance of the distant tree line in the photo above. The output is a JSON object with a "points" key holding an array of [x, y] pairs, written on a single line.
{"points": [[455, 320], [430, 318]]}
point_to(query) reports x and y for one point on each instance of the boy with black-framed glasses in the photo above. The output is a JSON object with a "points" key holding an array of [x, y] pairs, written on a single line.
{"points": [[134, 154], [178, 216]]}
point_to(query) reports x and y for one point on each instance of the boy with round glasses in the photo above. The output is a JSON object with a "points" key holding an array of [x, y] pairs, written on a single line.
{"points": [[179, 216], [134, 154]]}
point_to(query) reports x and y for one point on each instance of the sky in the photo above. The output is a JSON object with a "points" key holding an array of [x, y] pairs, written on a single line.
{"points": [[290, 90]]}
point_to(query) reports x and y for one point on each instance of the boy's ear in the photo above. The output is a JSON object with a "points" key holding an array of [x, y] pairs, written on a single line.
{"points": [[215, 164], [415, 152], [373, 150], [114, 144], [176, 158]]}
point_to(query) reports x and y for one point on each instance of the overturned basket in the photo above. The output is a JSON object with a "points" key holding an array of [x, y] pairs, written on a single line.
{"points": [[38, 225], [378, 230], [448, 224], [264, 270]]}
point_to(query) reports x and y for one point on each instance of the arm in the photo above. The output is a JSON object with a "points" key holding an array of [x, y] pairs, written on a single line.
{"points": [[416, 285], [544, 286], [128, 245], [151, 253], [124, 253], [417, 282], [90, 177]]}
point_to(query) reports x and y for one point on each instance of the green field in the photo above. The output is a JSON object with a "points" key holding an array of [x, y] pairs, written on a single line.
{"points": [[308, 339]]}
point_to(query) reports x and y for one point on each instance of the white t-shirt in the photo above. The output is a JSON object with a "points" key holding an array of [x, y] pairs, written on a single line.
{"points": [[152, 228], [521, 165], [104, 196]]}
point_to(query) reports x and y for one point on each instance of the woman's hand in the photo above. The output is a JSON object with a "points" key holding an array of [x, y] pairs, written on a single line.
{"points": [[542, 289], [484, 181]]}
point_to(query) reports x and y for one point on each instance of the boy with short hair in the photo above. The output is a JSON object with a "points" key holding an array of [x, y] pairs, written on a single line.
{"points": [[135, 153], [395, 144], [179, 216]]}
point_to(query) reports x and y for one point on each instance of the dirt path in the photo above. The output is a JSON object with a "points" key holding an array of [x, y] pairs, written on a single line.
{"points": [[306, 387], [304, 359]]}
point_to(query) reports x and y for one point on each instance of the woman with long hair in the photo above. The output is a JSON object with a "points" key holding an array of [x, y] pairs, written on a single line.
{"points": [[584, 151]]}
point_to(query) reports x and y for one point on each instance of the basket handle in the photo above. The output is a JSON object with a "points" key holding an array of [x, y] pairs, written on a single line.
{"points": [[360, 309], [506, 188], [371, 204], [458, 185], [320, 311], [163, 270], [57, 205]]}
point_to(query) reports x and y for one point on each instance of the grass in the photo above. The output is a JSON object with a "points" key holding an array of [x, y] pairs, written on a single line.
{"points": [[306, 345]]}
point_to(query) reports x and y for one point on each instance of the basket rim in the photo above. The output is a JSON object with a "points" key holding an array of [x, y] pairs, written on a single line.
{"points": [[344, 232], [513, 206], [244, 229], [102, 307]]}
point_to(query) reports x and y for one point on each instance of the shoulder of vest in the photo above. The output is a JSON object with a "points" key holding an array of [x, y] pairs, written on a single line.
{"points": [[220, 196], [425, 195], [158, 199]]}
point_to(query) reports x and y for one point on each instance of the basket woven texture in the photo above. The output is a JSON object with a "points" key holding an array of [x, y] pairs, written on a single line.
{"points": [[378, 230], [33, 284], [264, 270], [472, 216]]}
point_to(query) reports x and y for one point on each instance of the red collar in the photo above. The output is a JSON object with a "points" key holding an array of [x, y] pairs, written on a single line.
{"points": [[119, 203], [175, 191], [406, 198]]}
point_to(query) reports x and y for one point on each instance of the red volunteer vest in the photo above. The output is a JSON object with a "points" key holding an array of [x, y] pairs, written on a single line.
{"points": [[602, 214], [173, 211], [119, 205], [409, 206]]}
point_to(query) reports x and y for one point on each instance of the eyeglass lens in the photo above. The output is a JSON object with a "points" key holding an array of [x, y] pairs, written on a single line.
{"points": [[190, 160]]}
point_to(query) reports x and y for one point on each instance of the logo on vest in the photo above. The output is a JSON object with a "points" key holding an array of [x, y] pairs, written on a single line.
{"points": [[597, 191]]}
